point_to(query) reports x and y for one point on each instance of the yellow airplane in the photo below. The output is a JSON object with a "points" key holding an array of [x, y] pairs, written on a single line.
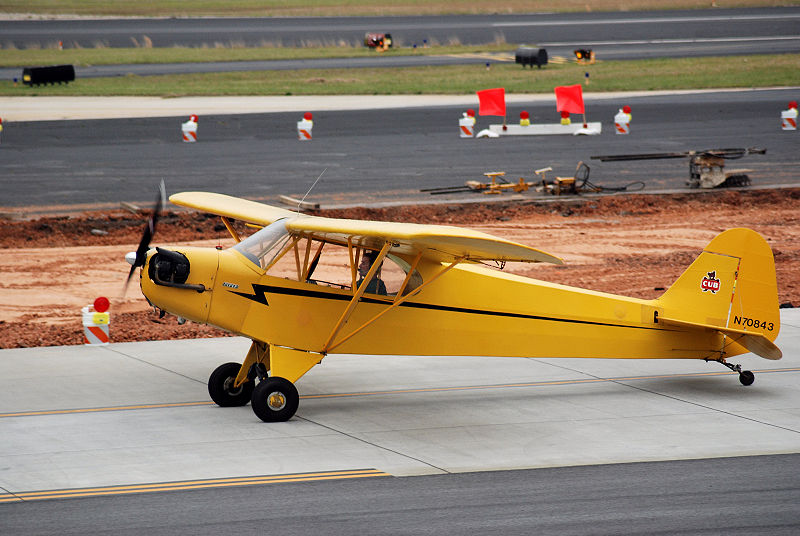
{"points": [[304, 286]]}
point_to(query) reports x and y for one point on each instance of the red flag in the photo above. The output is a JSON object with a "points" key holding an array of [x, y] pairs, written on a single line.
{"points": [[569, 99], [492, 101]]}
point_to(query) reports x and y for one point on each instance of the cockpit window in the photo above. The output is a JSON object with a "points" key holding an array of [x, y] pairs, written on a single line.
{"points": [[318, 262], [262, 246]]}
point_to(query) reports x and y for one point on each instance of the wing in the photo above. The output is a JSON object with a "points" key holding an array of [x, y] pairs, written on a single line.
{"points": [[439, 242], [231, 207]]}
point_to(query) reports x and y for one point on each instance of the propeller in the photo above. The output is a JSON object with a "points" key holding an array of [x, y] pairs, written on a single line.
{"points": [[138, 258]]}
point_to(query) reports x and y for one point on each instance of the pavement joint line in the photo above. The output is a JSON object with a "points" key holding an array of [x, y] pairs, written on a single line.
{"points": [[590, 380], [190, 485], [375, 445], [710, 408], [620, 381], [154, 365]]}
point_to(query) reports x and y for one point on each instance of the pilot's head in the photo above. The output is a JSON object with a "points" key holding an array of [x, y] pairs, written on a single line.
{"points": [[366, 261]]}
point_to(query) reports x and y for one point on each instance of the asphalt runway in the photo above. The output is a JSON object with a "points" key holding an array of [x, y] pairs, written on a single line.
{"points": [[554, 29], [753, 495], [378, 156]]}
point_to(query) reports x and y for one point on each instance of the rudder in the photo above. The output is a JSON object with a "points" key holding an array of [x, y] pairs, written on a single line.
{"points": [[731, 284]]}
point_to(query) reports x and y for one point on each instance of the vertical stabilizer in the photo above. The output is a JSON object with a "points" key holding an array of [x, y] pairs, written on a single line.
{"points": [[730, 285]]}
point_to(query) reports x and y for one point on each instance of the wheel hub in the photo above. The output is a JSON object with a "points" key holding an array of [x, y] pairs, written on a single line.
{"points": [[228, 386], [276, 401]]}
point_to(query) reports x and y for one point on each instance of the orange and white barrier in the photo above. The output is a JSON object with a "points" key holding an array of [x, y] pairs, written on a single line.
{"points": [[304, 130], [304, 127], [789, 117], [622, 123], [189, 129], [466, 127], [95, 322]]}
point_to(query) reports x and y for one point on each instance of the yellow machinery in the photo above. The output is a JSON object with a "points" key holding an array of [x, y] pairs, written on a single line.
{"points": [[494, 187]]}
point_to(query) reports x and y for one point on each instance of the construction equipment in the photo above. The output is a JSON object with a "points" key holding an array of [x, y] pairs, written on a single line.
{"points": [[560, 185], [492, 187], [706, 168], [379, 41], [579, 183], [584, 56]]}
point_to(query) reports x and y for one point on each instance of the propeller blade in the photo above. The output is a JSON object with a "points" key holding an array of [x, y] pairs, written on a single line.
{"points": [[149, 232]]}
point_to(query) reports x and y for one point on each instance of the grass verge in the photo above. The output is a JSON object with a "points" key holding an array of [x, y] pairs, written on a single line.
{"points": [[685, 73], [222, 52]]}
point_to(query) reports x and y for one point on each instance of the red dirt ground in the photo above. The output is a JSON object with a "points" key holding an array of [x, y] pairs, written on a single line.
{"points": [[635, 245]]}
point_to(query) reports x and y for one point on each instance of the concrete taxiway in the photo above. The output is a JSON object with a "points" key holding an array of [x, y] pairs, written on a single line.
{"points": [[133, 413]]}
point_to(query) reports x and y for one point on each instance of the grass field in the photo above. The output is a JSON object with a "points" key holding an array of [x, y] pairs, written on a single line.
{"points": [[687, 73], [283, 8], [222, 52]]}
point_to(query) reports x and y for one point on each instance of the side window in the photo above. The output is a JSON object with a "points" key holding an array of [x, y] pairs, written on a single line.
{"points": [[328, 264], [394, 273], [390, 276]]}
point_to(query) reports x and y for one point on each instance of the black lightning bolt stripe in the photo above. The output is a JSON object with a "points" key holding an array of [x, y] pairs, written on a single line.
{"points": [[260, 292]]}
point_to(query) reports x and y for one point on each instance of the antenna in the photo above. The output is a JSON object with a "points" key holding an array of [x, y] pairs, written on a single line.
{"points": [[312, 187], [163, 191]]}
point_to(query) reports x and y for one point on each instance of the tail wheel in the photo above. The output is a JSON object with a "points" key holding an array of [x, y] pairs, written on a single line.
{"points": [[747, 377], [221, 386], [275, 400]]}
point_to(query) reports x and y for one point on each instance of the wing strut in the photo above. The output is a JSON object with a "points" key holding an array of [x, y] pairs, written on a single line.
{"points": [[329, 345], [230, 228], [357, 296]]}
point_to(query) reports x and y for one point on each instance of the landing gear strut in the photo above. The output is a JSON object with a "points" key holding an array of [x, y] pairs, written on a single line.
{"points": [[745, 376]]}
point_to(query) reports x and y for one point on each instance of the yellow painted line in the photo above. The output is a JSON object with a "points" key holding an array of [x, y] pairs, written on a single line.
{"points": [[190, 485], [109, 408], [537, 384], [399, 391]]}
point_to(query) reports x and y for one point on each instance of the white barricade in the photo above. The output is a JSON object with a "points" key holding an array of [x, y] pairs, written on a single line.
{"points": [[466, 127], [304, 129], [95, 326]]}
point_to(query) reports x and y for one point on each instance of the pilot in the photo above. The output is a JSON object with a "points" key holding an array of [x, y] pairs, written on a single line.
{"points": [[375, 285]]}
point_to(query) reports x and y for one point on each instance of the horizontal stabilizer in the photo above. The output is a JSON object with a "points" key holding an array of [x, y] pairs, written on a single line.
{"points": [[753, 341]]}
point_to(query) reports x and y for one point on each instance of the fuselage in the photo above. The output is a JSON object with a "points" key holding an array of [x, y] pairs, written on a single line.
{"points": [[469, 310]]}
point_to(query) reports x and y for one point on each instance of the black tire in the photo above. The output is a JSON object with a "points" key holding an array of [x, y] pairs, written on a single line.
{"points": [[747, 377], [275, 400], [220, 386]]}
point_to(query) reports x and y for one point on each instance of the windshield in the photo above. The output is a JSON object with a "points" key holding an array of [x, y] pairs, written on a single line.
{"points": [[262, 246]]}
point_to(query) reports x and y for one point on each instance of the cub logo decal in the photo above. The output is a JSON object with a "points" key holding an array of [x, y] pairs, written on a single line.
{"points": [[710, 282]]}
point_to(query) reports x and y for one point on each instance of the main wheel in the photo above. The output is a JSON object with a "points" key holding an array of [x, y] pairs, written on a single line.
{"points": [[747, 377], [220, 386], [275, 400]]}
